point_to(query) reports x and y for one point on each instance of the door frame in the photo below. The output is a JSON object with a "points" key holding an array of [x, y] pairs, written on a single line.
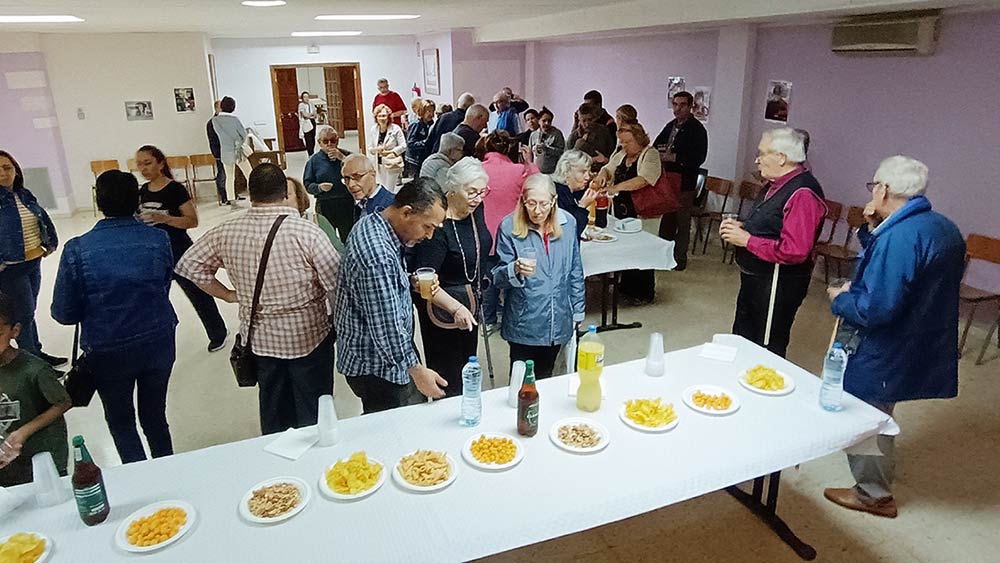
{"points": [[357, 98]]}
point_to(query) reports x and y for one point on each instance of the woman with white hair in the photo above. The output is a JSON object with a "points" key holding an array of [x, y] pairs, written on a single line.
{"points": [[774, 243], [457, 252], [386, 143], [541, 271], [904, 304], [573, 193]]}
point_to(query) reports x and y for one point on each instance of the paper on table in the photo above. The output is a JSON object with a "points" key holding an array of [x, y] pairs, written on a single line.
{"points": [[9, 501], [574, 384], [294, 442], [718, 352]]}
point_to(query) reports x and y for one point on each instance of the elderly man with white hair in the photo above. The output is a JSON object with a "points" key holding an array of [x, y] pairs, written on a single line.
{"points": [[323, 179], [448, 121], [436, 166], [360, 179], [774, 243], [903, 303]]}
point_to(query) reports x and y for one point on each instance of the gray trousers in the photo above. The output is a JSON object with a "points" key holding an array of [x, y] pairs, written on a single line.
{"points": [[874, 473]]}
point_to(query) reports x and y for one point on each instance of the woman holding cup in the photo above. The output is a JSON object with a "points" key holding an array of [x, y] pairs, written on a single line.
{"points": [[541, 272]]}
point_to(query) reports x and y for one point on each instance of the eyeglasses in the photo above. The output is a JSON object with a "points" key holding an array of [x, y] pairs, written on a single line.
{"points": [[538, 205], [328, 141], [477, 193], [356, 178], [870, 186]]}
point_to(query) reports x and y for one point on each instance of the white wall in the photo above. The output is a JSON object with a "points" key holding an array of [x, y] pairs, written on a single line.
{"points": [[484, 69], [243, 71], [98, 73]]}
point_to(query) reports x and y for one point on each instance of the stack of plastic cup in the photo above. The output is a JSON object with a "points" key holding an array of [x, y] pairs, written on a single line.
{"points": [[654, 358], [516, 379], [327, 424], [50, 490]]}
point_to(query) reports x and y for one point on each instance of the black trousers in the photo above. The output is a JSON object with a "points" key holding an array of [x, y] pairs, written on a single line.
{"points": [[543, 356], [206, 307], [446, 350], [752, 305], [340, 214], [379, 394], [676, 226], [289, 389], [310, 141]]}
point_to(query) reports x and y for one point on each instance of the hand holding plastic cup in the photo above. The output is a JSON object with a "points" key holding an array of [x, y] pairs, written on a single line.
{"points": [[425, 281], [326, 186], [529, 260], [730, 216]]}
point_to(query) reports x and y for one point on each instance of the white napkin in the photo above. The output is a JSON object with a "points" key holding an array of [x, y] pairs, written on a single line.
{"points": [[9, 501], [718, 352], [574, 384], [294, 442]]}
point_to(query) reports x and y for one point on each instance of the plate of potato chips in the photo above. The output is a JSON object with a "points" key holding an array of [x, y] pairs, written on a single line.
{"points": [[710, 399], [767, 381], [353, 478], [648, 415], [425, 471], [25, 547], [155, 526], [274, 500], [492, 451]]}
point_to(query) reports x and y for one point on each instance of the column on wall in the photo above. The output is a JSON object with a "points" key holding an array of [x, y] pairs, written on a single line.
{"points": [[730, 150]]}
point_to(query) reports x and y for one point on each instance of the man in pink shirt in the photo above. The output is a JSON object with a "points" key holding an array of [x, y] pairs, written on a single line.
{"points": [[391, 99], [777, 238]]}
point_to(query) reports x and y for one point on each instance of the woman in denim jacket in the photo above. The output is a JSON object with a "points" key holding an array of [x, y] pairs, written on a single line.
{"points": [[26, 237]]}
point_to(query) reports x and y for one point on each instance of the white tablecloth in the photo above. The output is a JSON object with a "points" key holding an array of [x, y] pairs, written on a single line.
{"points": [[551, 493], [634, 251]]}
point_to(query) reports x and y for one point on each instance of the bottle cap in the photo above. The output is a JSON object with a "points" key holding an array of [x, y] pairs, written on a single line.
{"points": [[837, 345], [592, 328], [473, 359], [77, 441]]}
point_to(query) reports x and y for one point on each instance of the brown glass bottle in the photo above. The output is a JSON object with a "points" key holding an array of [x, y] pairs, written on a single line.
{"points": [[88, 486], [527, 403]]}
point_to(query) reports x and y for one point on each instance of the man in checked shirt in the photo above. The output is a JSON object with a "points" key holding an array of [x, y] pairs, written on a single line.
{"points": [[292, 336], [374, 312]]}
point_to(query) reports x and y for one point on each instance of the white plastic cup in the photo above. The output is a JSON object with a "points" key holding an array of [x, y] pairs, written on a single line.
{"points": [[654, 358], [529, 257], [49, 488], [425, 279], [327, 426], [516, 379]]}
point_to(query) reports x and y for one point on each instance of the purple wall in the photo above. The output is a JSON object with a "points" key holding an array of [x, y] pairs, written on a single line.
{"points": [[943, 110]]}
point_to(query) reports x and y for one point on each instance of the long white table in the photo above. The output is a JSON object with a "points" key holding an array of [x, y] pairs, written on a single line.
{"points": [[550, 494]]}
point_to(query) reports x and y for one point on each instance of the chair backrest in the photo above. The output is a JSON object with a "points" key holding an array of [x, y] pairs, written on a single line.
{"points": [[179, 164], [99, 166], [855, 219], [718, 185], [833, 212], [981, 247], [202, 160], [750, 190], [132, 166], [258, 158]]}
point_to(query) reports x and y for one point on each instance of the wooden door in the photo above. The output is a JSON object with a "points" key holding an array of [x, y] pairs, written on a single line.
{"points": [[348, 97], [286, 90], [334, 101]]}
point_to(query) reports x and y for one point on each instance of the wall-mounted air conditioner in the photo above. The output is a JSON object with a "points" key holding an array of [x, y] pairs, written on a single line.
{"points": [[899, 32]]}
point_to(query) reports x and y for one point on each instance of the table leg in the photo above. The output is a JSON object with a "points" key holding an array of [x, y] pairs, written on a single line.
{"points": [[768, 513], [610, 289]]}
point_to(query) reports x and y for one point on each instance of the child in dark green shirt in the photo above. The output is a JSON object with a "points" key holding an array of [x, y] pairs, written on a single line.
{"points": [[32, 403]]}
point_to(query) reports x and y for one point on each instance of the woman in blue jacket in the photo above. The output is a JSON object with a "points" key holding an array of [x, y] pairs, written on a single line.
{"points": [[26, 237], [904, 303], [544, 294]]}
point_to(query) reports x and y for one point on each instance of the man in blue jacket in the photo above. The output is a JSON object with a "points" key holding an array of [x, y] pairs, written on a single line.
{"points": [[904, 303]]}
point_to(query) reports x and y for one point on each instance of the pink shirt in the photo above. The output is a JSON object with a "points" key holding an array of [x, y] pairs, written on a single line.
{"points": [[506, 181], [804, 212]]}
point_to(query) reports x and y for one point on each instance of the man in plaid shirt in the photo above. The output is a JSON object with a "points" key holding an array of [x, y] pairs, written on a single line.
{"points": [[292, 336], [374, 312]]}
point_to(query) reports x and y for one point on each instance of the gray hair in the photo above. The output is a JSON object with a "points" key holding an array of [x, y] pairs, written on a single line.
{"points": [[464, 173], [466, 100], [903, 176], [476, 111], [358, 156], [382, 81], [449, 142], [568, 162], [325, 131], [788, 142]]}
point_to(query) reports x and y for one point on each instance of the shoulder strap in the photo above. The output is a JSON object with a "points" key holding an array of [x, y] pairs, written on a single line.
{"points": [[261, 268]]}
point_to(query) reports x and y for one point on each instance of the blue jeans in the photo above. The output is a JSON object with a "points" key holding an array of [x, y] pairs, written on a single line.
{"points": [[21, 283], [289, 389], [143, 370], [220, 181]]}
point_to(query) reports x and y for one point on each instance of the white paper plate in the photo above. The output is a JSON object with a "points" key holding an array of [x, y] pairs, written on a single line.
{"points": [[305, 492], [710, 390], [789, 385], [618, 229], [471, 459], [633, 424], [611, 238], [122, 542], [398, 477], [605, 435], [324, 487], [48, 545]]}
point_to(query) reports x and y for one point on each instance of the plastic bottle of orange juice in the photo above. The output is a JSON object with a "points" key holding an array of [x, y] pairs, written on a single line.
{"points": [[589, 364]]}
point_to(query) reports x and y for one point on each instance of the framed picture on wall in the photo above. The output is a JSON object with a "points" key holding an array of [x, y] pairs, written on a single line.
{"points": [[702, 103], [432, 71], [184, 99], [674, 84], [779, 100], [139, 111]]}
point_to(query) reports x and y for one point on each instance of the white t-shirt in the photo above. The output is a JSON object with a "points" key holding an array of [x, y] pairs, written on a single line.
{"points": [[305, 125]]}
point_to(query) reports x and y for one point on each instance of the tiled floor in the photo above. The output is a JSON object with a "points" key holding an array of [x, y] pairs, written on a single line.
{"points": [[949, 473]]}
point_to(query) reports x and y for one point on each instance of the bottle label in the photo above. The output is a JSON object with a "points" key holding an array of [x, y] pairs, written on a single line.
{"points": [[91, 500], [531, 414]]}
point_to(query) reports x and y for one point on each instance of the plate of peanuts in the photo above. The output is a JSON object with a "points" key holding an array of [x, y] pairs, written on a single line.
{"points": [[711, 400], [274, 500], [155, 526], [492, 451]]}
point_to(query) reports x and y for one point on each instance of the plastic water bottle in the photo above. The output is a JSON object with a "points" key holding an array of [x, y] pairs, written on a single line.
{"points": [[832, 390], [472, 399], [589, 364]]}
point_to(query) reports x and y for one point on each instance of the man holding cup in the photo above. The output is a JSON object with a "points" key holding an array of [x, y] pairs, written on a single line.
{"points": [[323, 178]]}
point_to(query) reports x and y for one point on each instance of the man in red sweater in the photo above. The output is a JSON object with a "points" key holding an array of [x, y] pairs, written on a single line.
{"points": [[391, 99]]}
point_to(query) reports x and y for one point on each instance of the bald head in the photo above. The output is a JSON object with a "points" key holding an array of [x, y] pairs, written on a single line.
{"points": [[477, 116]]}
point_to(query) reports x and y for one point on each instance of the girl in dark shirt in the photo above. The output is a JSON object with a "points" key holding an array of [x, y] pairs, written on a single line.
{"points": [[166, 204]]}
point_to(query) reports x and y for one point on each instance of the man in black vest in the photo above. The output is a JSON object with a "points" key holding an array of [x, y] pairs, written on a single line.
{"points": [[776, 239], [683, 146]]}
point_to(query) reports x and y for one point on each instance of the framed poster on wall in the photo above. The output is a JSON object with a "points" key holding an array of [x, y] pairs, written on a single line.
{"points": [[432, 71]]}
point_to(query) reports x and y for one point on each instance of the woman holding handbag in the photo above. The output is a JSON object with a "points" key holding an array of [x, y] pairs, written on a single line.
{"points": [[386, 144], [457, 252]]}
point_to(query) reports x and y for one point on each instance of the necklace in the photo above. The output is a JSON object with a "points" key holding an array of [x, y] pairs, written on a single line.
{"points": [[465, 261]]}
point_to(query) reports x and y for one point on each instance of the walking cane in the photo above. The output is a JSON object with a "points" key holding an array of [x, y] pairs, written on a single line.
{"points": [[770, 306], [486, 338]]}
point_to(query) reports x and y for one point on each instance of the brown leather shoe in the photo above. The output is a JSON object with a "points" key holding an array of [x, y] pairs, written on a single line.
{"points": [[848, 498]]}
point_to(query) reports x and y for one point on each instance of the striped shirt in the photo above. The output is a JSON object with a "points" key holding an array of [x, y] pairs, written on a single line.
{"points": [[32, 235], [374, 315], [301, 274]]}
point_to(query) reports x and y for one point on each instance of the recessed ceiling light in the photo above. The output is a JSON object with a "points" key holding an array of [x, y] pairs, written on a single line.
{"points": [[263, 3], [325, 33], [367, 17], [40, 19]]}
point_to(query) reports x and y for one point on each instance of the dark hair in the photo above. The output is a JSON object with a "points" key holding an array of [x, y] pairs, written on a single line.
{"points": [[18, 174], [594, 96], [267, 184], [498, 141], [686, 95], [8, 310], [445, 108], [303, 93], [227, 105], [117, 193], [159, 157], [587, 108], [544, 111], [805, 140], [421, 195], [530, 111]]}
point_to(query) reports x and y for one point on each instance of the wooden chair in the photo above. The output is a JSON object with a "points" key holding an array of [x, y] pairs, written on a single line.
{"points": [[99, 167], [979, 247], [201, 162], [181, 164], [258, 158], [721, 187], [748, 193], [841, 254]]}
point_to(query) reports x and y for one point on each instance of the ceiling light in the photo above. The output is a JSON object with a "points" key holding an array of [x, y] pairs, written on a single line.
{"points": [[325, 33], [40, 19], [367, 17], [263, 3]]}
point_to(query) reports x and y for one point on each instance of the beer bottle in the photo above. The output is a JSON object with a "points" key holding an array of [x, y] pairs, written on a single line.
{"points": [[527, 403], [88, 486]]}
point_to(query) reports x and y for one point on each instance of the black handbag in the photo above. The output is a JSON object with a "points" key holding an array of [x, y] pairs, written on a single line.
{"points": [[79, 381], [242, 358]]}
